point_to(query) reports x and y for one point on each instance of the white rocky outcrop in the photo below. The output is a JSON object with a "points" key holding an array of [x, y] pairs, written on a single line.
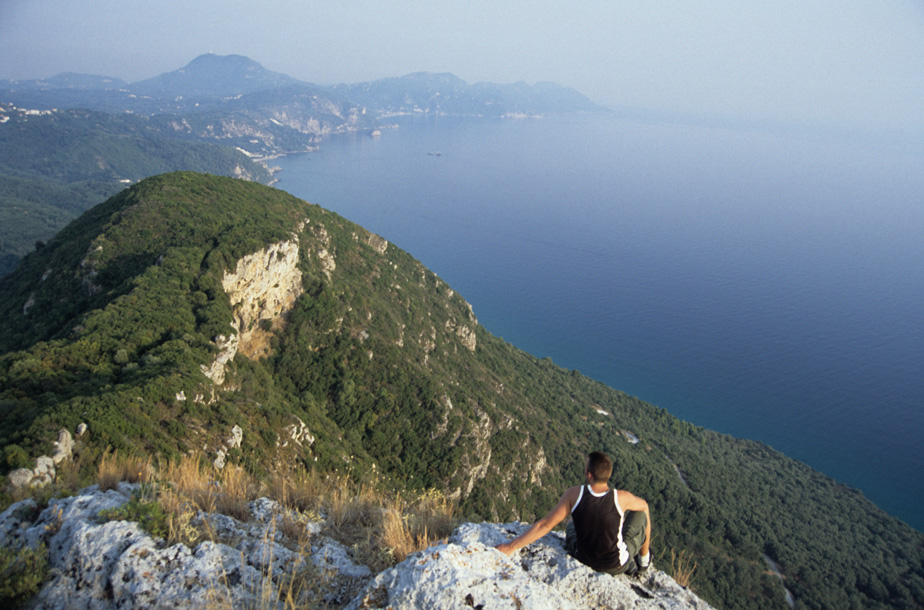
{"points": [[219, 461], [263, 286], [466, 334], [377, 243], [467, 571], [299, 433], [227, 349], [237, 435], [107, 565], [44, 472], [21, 477], [64, 447]]}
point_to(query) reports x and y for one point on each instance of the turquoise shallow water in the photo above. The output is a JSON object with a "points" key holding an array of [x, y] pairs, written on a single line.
{"points": [[758, 284]]}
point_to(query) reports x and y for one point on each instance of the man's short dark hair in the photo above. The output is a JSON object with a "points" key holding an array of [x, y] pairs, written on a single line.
{"points": [[600, 466]]}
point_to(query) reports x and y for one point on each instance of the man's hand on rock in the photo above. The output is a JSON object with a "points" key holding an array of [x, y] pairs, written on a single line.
{"points": [[506, 548]]}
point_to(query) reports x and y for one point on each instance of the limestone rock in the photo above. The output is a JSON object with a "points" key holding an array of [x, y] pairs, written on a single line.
{"points": [[330, 555], [219, 461], [28, 305], [64, 447], [467, 571], [328, 263], [21, 477], [108, 565], [44, 472], [300, 433], [227, 349], [467, 336], [262, 287], [237, 434], [44, 465], [377, 243]]}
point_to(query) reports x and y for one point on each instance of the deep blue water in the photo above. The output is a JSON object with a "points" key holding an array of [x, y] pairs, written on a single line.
{"points": [[763, 285]]}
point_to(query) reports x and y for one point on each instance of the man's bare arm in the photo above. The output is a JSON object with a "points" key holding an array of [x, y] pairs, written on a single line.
{"points": [[543, 526]]}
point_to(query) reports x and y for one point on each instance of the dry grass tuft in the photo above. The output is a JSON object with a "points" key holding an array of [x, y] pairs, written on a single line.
{"points": [[413, 526], [397, 536], [113, 469], [237, 488], [194, 481], [352, 511], [302, 490], [681, 567], [183, 487]]}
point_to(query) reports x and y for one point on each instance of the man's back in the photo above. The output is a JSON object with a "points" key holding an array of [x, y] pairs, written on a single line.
{"points": [[598, 523]]}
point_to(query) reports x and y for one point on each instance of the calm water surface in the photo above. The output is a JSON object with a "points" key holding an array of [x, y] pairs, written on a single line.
{"points": [[765, 286]]}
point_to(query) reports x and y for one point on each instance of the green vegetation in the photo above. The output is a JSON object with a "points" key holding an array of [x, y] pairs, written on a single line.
{"points": [[144, 510], [110, 322], [55, 166], [22, 573]]}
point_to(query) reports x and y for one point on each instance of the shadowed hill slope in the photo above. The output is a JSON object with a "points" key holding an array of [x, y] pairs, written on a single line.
{"points": [[189, 304]]}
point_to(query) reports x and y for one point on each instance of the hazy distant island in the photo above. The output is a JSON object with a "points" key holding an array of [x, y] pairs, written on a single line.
{"points": [[68, 141]]}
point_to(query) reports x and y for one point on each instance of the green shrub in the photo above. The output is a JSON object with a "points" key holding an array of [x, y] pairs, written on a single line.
{"points": [[146, 512], [21, 574], [16, 457]]}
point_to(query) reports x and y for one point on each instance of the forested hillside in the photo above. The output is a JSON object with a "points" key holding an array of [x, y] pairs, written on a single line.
{"points": [[55, 165], [120, 319]]}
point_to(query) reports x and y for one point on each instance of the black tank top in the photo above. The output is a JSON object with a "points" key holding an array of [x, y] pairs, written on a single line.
{"points": [[598, 528]]}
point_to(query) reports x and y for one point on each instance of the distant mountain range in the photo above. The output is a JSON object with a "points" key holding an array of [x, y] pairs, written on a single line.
{"points": [[67, 140], [215, 82], [448, 94]]}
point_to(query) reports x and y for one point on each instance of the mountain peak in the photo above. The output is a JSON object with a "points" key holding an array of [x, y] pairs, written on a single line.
{"points": [[215, 75], [210, 62]]}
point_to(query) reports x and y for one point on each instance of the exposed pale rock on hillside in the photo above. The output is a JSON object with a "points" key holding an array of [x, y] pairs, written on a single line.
{"points": [[263, 286], [44, 472]]}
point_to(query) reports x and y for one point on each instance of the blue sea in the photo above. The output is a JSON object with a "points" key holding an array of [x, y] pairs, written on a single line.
{"points": [[765, 284]]}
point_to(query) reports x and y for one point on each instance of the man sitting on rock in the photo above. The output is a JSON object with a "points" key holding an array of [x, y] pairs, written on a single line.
{"points": [[610, 529]]}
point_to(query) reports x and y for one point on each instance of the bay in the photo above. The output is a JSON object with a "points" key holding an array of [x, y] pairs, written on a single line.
{"points": [[765, 285]]}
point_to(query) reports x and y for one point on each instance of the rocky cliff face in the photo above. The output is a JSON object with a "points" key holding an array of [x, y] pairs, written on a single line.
{"points": [[262, 287], [102, 564]]}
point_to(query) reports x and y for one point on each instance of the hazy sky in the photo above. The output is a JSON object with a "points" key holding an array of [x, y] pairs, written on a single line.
{"points": [[833, 62]]}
